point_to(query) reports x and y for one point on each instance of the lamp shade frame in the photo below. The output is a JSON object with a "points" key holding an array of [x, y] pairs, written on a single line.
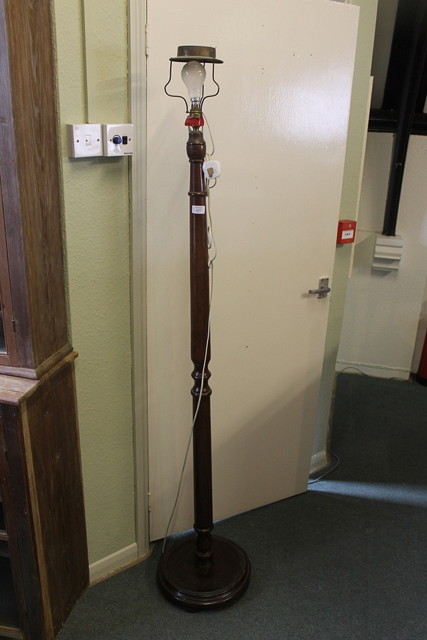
{"points": [[197, 53]]}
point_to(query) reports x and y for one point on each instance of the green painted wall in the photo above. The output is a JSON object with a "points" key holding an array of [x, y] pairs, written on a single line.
{"points": [[96, 211]]}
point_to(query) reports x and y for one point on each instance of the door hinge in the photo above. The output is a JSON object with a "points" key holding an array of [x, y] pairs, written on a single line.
{"points": [[13, 325]]}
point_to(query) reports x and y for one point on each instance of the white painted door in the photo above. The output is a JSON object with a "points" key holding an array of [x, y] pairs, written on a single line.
{"points": [[279, 126]]}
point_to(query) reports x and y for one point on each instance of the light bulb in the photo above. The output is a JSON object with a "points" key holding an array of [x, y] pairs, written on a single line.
{"points": [[193, 75]]}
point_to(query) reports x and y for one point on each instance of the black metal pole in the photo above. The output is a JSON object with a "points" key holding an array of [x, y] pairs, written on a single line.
{"points": [[406, 111]]}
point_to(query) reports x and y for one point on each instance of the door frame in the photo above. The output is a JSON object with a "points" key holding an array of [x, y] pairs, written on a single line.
{"points": [[137, 18]]}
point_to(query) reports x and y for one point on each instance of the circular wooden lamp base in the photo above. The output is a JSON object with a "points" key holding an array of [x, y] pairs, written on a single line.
{"points": [[197, 588]]}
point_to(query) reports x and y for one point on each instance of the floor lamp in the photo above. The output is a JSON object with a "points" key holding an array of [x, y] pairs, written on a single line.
{"points": [[200, 571]]}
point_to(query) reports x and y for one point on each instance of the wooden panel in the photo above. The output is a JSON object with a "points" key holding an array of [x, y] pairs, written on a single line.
{"points": [[29, 165], [9, 614], [9, 617], [42, 494], [9, 357], [3, 532], [10, 196], [9, 632], [55, 474], [18, 514], [13, 389]]}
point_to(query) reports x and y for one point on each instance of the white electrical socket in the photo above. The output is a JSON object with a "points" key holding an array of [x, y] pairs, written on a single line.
{"points": [[84, 140], [117, 139]]}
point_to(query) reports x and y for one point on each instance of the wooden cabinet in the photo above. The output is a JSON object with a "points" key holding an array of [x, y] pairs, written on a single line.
{"points": [[43, 554], [43, 551], [33, 300]]}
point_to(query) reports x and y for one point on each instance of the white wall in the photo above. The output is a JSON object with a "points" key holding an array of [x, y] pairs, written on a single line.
{"points": [[383, 309]]}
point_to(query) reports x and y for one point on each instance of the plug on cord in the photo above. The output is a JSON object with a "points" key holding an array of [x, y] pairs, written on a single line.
{"points": [[212, 169]]}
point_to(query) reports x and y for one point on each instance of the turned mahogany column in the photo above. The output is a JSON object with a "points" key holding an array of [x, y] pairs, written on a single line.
{"points": [[200, 348], [201, 570]]}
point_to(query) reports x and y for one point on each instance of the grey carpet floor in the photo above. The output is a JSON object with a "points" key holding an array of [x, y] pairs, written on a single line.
{"points": [[346, 560]]}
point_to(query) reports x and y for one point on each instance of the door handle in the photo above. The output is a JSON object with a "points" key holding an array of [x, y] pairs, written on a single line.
{"points": [[323, 289]]}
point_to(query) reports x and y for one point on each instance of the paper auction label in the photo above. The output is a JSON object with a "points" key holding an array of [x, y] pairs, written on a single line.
{"points": [[198, 209]]}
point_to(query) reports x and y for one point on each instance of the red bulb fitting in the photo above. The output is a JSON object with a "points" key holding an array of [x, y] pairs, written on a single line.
{"points": [[194, 121]]}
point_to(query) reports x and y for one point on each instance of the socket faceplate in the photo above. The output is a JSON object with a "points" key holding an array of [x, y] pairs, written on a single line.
{"points": [[118, 139], [84, 140]]}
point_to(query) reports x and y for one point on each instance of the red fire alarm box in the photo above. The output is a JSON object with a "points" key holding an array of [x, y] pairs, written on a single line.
{"points": [[346, 231]]}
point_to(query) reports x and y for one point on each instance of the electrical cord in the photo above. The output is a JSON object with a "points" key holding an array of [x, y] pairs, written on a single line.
{"points": [[329, 469], [350, 368], [211, 238], [209, 155]]}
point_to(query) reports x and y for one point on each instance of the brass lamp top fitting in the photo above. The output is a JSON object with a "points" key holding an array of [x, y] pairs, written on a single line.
{"points": [[186, 53]]}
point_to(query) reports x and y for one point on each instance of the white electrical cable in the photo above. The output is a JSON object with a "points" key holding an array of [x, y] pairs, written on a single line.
{"points": [[211, 238], [209, 155]]}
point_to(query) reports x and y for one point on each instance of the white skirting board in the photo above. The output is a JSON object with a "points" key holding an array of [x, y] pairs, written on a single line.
{"points": [[115, 562], [374, 370]]}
